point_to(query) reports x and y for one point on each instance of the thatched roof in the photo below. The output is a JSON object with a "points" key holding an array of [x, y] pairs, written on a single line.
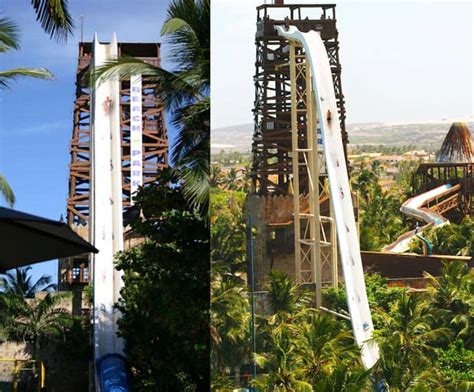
{"points": [[457, 146]]}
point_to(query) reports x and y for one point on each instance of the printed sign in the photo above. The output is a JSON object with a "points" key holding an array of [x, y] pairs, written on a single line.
{"points": [[136, 155]]}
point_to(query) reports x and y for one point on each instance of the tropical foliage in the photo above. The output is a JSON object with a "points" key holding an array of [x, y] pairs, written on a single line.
{"points": [[452, 239], [302, 349], [6, 191], [19, 281], [37, 321], [9, 40], [166, 293], [299, 348], [31, 314], [54, 17], [380, 220]]}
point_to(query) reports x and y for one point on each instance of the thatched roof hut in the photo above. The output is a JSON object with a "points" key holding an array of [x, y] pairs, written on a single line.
{"points": [[457, 146]]}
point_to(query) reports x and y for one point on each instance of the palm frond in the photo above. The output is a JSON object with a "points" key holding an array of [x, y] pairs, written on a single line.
{"points": [[54, 18], [6, 191], [13, 74], [173, 89], [8, 35]]}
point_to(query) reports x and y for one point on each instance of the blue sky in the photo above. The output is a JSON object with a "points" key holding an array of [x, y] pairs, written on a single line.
{"points": [[36, 116]]}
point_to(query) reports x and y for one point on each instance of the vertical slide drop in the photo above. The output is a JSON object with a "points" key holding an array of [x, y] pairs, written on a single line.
{"points": [[106, 203], [325, 102]]}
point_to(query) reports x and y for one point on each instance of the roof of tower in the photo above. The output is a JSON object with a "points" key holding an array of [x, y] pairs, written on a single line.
{"points": [[457, 147]]}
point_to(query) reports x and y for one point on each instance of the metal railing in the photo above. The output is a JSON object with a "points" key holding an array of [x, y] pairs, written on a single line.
{"points": [[24, 373]]}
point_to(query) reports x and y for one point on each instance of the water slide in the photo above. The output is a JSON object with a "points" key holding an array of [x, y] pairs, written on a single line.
{"points": [[348, 240], [106, 222], [413, 207]]}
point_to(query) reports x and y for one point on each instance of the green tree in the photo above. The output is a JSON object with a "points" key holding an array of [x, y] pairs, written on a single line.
{"points": [[407, 342], [35, 320], [230, 315], [284, 296], [54, 18], [6, 191], [380, 219], [228, 238], [451, 294], [185, 92], [9, 40], [452, 239], [344, 379], [20, 282], [166, 293], [323, 346], [281, 366]]}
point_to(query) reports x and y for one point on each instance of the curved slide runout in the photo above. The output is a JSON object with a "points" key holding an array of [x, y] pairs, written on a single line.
{"points": [[325, 101], [413, 207]]}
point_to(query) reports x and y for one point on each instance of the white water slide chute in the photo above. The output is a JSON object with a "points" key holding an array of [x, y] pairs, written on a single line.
{"points": [[414, 208], [106, 222], [324, 104]]}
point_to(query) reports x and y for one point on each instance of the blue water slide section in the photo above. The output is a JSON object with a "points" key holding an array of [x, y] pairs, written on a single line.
{"points": [[112, 374]]}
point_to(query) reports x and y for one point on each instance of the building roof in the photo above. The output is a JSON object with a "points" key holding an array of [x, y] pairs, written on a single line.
{"points": [[457, 146]]}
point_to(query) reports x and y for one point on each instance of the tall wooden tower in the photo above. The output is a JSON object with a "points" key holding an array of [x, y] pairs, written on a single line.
{"points": [[75, 272], [271, 149], [280, 196]]}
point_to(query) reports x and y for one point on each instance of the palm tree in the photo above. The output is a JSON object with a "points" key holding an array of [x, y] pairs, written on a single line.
{"points": [[20, 282], [452, 294], [281, 366], [323, 346], [285, 296], [6, 191], [343, 379], [9, 41], [54, 18], [184, 91], [216, 176], [37, 320], [408, 340], [229, 321]]}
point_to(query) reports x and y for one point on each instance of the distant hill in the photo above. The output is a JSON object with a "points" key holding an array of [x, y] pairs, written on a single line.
{"points": [[234, 138], [424, 134]]}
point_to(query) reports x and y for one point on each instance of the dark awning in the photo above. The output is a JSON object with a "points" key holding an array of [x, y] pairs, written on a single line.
{"points": [[27, 239]]}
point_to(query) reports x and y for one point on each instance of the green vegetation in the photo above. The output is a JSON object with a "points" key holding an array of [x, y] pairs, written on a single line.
{"points": [[380, 220], [231, 158], [31, 315], [300, 348], [165, 299], [452, 239], [20, 282], [357, 149], [6, 191]]}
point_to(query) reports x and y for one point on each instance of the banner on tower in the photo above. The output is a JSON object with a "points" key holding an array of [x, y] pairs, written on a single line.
{"points": [[136, 155]]}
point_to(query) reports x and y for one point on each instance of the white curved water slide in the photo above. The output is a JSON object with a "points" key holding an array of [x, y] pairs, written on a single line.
{"points": [[325, 101], [106, 221], [413, 207]]}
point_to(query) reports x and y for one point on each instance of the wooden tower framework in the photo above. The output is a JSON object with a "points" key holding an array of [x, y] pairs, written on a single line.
{"points": [[272, 165], [154, 144], [315, 235]]}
